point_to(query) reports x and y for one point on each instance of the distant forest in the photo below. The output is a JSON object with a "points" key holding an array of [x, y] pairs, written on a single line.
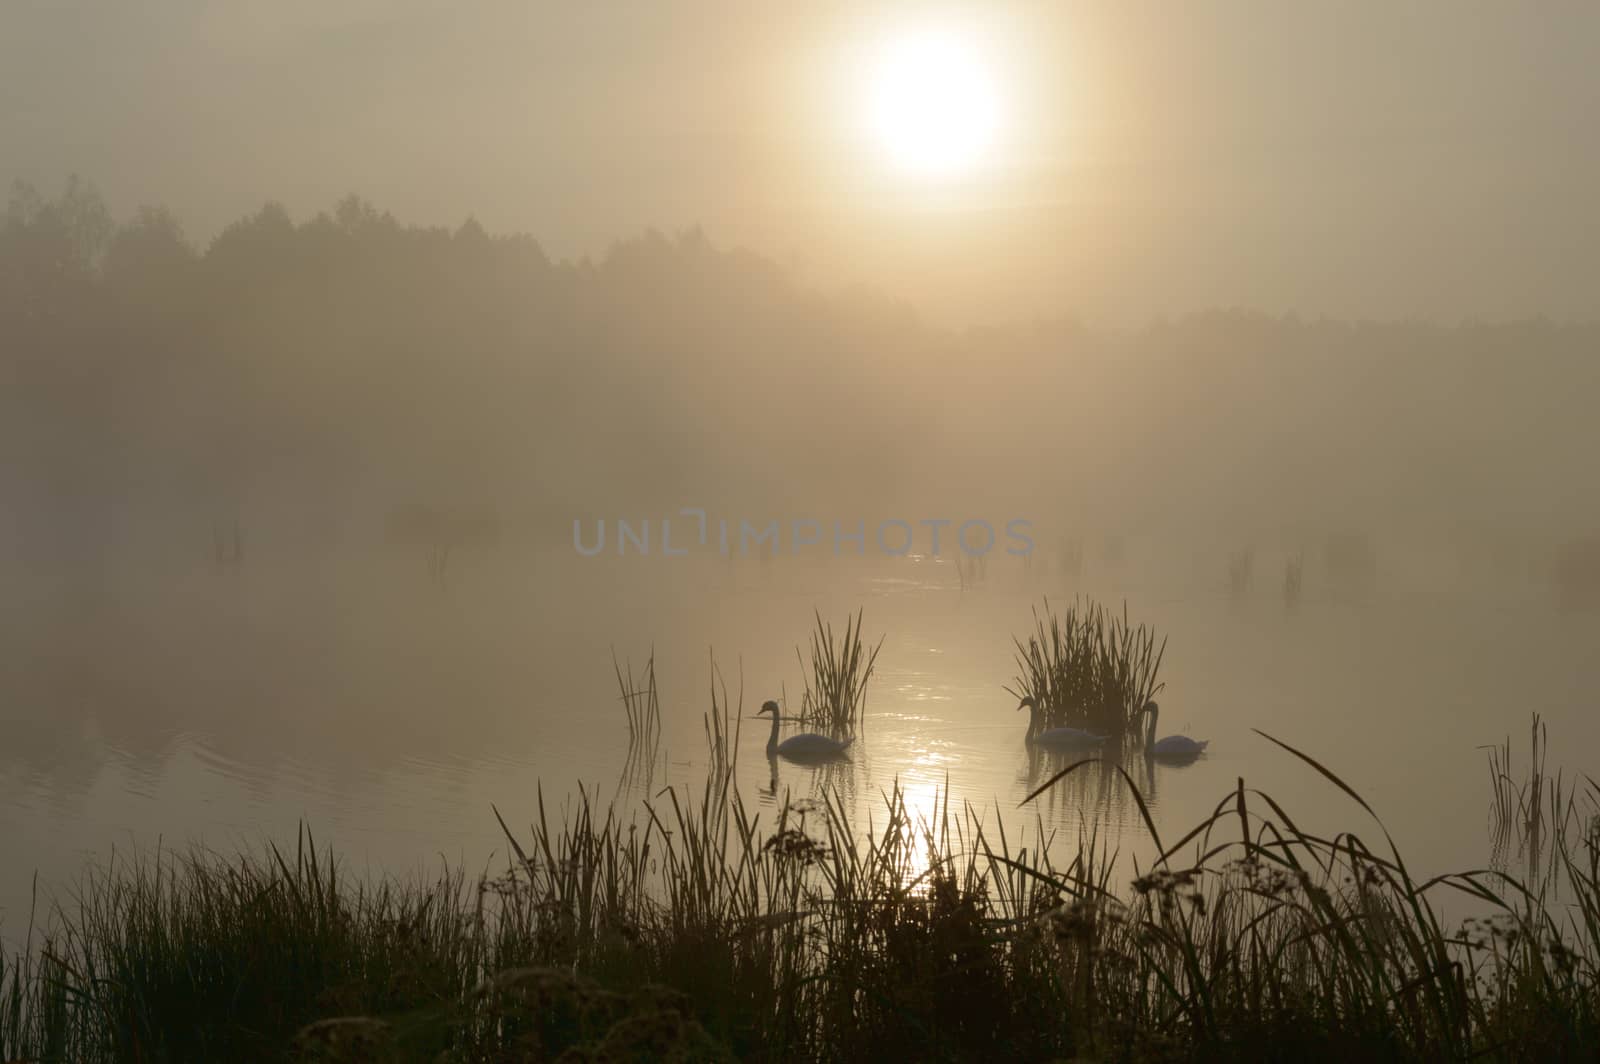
{"points": [[329, 371]]}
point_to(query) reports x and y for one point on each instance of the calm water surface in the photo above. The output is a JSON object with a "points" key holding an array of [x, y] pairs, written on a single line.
{"points": [[388, 711]]}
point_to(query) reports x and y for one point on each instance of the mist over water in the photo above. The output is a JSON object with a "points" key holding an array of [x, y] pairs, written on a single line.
{"points": [[387, 709], [292, 517], [753, 531]]}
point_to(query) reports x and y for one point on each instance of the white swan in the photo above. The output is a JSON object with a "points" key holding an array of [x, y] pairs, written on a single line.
{"points": [[809, 746], [1173, 746], [1060, 738]]}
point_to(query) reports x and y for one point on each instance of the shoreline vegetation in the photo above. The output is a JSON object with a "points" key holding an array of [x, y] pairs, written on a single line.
{"points": [[698, 929], [688, 926]]}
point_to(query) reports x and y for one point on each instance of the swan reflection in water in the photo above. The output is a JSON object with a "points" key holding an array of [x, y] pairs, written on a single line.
{"points": [[1086, 778], [831, 760]]}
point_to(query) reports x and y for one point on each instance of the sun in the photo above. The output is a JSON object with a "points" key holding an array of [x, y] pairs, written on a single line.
{"points": [[933, 106]]}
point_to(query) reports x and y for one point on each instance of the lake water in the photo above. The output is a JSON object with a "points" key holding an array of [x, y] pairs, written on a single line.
{"points": [[388, 710]]}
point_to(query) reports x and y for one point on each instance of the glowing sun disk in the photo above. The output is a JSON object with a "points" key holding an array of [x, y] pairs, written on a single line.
{"points": [[934, 108]]}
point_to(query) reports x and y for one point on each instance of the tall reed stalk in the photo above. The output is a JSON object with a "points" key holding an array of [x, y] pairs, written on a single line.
{"points": [[641, 702], [1537, 814], [724, 723]]}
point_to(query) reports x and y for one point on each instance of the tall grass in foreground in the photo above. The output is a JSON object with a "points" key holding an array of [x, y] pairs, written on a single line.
{"points": [[1086, 667], [699, 928], [835, 697]]}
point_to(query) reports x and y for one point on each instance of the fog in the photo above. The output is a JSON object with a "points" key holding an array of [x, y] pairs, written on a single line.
{"points": [[312, 382], [331, 339], [341, 470]]}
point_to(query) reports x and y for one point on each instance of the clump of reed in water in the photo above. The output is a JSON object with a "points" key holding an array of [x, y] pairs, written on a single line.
{"points": [[640, 702], [835, 697], [1086, 667], [1538, 815]]}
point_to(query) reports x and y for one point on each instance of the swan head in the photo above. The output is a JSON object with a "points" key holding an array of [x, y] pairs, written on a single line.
{"points": [[769, 706], [1028, 703]]}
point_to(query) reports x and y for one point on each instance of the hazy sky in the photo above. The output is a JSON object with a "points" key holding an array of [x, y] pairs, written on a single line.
{"points": [[1384, 159]]}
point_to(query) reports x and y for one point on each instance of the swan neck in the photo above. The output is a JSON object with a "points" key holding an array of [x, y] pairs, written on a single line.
{"points": [[1150, 729], [772, 742]]}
